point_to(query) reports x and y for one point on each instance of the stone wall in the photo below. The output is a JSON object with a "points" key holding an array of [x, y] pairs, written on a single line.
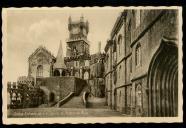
{"points": [[97, 87], [126, 87], [61, 86]]}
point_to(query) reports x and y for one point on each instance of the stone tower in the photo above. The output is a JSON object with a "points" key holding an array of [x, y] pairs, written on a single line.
{"points": [[77, 43], [77, 54]]}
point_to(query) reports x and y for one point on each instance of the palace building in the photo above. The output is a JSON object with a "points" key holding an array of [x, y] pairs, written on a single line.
{"points": [[141, 63], [55, 80]]}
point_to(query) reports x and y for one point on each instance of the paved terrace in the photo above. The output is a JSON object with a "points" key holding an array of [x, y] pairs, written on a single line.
{"points": [[63, 112]]}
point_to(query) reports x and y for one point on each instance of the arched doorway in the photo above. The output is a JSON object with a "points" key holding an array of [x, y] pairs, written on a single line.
{"points": [[44, 94], [56, 73], [63, 73], [162, 81], [51, 97]]}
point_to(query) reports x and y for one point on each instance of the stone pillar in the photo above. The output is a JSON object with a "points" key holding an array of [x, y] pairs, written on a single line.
{"points": [[60, 72]]}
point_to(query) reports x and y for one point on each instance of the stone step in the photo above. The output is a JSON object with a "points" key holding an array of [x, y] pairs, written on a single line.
{"points": [[75, 102]]}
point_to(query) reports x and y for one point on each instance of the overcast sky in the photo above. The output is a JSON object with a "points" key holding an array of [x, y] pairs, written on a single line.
{"points": [[27, 29]]}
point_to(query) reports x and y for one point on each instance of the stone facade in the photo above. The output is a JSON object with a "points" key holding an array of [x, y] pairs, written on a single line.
{"points": [[135, 43], [96, 80], [40, 63]]}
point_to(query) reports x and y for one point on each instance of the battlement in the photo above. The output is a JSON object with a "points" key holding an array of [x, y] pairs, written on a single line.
{"points": [[77, 39], [25, 80], [12, 85], [84, 57]]}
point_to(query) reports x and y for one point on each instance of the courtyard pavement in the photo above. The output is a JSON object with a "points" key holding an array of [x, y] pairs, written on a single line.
{"points": [[63, 112]]}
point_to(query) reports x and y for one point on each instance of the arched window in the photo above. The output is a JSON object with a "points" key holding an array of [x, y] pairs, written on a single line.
{"points": [[114, 46], [138, 15], [14, 97], [86, 63], [131, 96], [138, 55], [40, 71], [77, 74], [129, 32], [119, 43], [86, 75], [119, 71], [131, 65], [120, 97], [139, 95]]}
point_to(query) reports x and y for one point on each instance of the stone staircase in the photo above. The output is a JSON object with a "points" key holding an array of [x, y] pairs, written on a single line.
{"points": [[95, 102], [76, 101]]}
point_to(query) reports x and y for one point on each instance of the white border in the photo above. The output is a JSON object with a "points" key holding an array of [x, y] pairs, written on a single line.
{"points": [[63, 120]]}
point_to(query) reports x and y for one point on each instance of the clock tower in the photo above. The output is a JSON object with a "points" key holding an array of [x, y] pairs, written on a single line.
{"points": [[77, 53], [77, 43]]}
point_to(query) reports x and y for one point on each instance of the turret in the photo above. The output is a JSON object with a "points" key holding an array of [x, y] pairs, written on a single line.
{"points": [[87, 26], [69, 23], [82, 19]]}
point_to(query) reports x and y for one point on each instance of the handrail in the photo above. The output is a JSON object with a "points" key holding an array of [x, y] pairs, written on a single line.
{"points": [[64, 100], [85, 97]]}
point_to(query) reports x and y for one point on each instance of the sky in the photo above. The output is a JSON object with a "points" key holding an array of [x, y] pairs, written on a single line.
{"points": [[27, 29]]}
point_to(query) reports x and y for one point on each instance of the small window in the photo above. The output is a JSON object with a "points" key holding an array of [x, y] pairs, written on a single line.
{"points": [[40, 71], [129, 32], [138, 55], [119, 43], [130, 96], [114, 47], [138, 95], [130, 65], [138, 15], [120, 97], [119, 71]]}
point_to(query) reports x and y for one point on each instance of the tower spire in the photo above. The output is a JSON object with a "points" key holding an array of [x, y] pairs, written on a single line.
{"points": [[60, 58]]}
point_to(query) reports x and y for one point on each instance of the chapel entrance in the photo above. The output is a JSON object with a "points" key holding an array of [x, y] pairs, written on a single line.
{"points": [[162, 81]]}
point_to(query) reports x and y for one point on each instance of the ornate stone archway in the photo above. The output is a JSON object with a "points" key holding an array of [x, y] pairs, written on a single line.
{"points": [[162, 81]]}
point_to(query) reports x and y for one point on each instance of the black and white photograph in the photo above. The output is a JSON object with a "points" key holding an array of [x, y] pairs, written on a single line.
{"points": [[92, 65]]}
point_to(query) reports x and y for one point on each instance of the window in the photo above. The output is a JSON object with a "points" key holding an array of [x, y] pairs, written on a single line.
{"points": [[86, 75], [120, 97], [114, 47], [119, 71], [137, 18], [130, 96], [138, 55], [138, 95], [76, 64], [39, 71], [130, 65], [115, 76], [119, 43], [86, 63], [129, 32]]}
